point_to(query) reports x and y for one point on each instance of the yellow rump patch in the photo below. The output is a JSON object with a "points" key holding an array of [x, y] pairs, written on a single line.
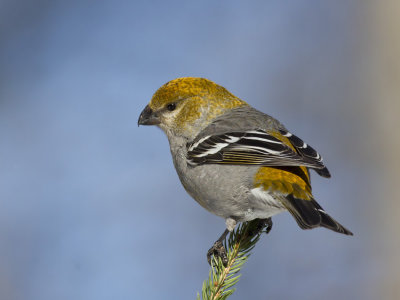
{"points": [[277, 180]]}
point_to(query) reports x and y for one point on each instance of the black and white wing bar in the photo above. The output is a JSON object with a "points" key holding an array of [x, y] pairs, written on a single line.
{"points": [[306, 151], [255, 147]]}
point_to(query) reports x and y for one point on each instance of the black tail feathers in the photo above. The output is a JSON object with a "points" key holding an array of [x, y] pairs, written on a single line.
{"points": [[309, 214], [328, 222], [323, 172]]}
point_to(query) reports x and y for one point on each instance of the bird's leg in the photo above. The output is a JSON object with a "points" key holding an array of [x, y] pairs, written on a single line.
{"points": [[218, 249]]}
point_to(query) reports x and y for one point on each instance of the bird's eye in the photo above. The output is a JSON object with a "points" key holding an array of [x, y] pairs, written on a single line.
{"points": [[171, 106]]}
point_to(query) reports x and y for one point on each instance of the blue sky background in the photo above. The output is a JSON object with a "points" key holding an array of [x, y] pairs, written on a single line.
{"points": [[91, 207]]}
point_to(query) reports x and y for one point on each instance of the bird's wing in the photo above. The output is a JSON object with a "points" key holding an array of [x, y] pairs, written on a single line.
{"points": [[306, 151], [255, 147]]}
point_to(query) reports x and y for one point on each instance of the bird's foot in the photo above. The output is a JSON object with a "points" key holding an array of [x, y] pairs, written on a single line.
{"points": [[259, 227], [217, 250], [267, 224]]}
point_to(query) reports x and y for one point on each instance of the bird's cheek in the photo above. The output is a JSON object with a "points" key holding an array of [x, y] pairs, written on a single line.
{"points": [[188, 116], [167, 121]]}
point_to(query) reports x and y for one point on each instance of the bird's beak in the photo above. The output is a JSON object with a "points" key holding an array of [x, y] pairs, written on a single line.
{"points": [[148, 117]]}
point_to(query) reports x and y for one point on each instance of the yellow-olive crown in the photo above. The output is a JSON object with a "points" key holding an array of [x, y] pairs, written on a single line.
{"points": [[186, 105]]}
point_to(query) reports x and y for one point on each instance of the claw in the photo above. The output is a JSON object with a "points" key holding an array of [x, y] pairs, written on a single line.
{"points": [[262, 223], [268, 225], [217, 250]]}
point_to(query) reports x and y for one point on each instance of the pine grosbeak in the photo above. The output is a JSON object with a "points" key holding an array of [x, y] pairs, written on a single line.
{"points": [[235, 161]]}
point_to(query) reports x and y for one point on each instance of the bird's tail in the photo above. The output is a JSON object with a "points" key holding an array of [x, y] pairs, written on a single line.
{"points": [[309, 214]]}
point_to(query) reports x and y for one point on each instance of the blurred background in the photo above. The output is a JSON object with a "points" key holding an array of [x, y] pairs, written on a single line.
{"points": [[90, 205]]}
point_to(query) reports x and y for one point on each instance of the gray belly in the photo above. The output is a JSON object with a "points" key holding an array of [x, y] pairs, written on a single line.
{"points": [[227, 190]]}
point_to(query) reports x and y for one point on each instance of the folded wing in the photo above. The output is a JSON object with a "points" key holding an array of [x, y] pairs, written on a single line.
{"points": [[255, 147]]}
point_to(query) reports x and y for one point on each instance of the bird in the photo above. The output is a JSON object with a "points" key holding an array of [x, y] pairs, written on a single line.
{"points": [[234, 160]]}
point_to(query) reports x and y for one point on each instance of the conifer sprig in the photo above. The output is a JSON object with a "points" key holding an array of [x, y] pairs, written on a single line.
{"points": [[221, 279]]}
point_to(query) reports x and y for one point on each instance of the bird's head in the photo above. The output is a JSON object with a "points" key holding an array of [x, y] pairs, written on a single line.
{"points": [[185, 106]]}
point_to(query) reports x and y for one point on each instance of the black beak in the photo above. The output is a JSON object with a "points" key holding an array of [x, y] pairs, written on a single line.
{"points": [[148, 117]]}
